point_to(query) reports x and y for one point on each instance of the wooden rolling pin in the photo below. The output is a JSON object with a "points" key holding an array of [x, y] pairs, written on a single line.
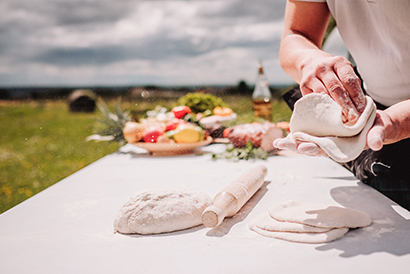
{"points": [[231, 199]]}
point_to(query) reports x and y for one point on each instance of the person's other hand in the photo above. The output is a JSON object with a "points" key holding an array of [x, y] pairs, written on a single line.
{"points": [[307, 148], [335, 76], [379, 132]]}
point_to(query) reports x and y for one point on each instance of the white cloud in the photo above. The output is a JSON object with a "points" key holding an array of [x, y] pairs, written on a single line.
{"points": [[87, 42]]}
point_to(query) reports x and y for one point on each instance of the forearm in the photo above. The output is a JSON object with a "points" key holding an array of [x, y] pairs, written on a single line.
{"points": [[305, 26], [315, 70], [297, 52]]}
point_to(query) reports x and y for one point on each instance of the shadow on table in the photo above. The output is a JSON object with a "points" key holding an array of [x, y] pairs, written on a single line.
{"points": [[229, 222], [389, 231]]}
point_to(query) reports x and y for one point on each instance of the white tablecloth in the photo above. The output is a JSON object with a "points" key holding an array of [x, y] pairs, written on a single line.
{"points": [[68, 228]]}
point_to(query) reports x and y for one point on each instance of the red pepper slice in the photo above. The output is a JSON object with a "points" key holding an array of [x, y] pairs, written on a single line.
{"points": [[180, 111]]}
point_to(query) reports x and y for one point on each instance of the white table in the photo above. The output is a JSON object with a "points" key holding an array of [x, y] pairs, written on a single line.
{"points": [[68, 228]]}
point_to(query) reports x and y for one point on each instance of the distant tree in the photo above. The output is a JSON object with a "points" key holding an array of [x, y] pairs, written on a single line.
{"points": [[4, 95], [183, 89], [151, 87]]}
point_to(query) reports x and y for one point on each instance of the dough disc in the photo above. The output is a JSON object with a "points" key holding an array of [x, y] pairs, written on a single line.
{"points": [[266, 222], [309, 238], [319, 215]]}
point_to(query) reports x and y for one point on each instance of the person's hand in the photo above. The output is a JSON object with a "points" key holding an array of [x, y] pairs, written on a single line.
{"points": [[335, 76], [307, 148], [380, 132]]}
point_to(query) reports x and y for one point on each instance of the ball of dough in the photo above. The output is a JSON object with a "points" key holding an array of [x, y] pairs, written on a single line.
{"points": [[318, 119], [160, 211], [319, 115]]}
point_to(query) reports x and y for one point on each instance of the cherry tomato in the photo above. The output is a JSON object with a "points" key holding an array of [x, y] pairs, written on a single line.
{"points": [[180, 111]]}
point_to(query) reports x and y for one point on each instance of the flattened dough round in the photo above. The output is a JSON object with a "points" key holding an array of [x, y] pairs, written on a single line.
{"points": [[319, 215], [309, 238], [266, 222], [160, 211]]}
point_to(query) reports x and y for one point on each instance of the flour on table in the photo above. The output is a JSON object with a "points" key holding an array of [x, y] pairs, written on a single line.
{"points": [[318, 119], [160, 211]]}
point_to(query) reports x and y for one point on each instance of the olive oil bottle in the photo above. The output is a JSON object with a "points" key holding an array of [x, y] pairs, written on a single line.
{"points": [[262, 96]]}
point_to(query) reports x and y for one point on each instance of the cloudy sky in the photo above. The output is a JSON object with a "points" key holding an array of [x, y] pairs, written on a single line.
{"points": [[124, 42]]}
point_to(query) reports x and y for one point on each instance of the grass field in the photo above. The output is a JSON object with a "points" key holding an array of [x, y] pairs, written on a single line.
{"points": [[41, 142]]}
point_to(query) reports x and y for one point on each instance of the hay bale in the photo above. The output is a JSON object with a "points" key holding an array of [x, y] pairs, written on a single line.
{"points": [[82, 100]]}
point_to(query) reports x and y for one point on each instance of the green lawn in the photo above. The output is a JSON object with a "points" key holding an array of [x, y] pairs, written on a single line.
{"points": [[40, 145], [42, 142]]}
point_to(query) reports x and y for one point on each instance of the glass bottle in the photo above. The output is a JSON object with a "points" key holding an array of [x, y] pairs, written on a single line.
{"points": [[262, 96]]}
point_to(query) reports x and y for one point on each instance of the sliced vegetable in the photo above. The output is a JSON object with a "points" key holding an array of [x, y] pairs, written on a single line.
{"points": [[186, 133], [151, 134], [180, 111], [222, 111], [133, 131], [174, 123]]}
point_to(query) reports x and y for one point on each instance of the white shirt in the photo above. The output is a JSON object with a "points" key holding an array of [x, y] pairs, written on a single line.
{"points": [[377, 34]]}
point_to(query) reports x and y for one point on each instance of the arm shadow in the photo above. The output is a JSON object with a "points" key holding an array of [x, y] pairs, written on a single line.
{"points": [[389, 231]]}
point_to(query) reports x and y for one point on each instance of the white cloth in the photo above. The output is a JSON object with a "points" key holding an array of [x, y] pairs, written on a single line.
{"points": [[377, 34]]}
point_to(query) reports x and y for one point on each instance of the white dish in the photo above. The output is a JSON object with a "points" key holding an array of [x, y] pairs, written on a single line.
{"points": [[172, 148]]}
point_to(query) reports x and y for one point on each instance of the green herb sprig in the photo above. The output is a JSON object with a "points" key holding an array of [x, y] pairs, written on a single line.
{"points": [[248, 152]]}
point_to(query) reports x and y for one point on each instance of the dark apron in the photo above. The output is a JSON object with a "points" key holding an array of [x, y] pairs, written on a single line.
{"points": [[387, 170]]}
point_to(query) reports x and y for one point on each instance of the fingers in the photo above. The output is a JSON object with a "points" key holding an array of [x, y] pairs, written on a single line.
{"points": [[342, 98], [311, 149], [375, 136], [312, 85], [328, 73], [375, 139], [335, 76], [307, 148], [351, 83], [284, 143]]}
